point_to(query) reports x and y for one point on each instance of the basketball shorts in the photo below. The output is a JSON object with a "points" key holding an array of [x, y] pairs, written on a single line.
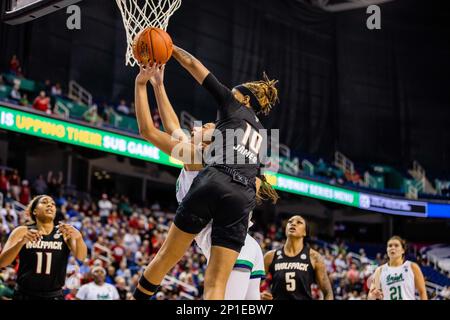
{"points": [[219, 196]]}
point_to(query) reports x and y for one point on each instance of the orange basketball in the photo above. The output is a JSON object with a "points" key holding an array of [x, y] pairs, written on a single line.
{"points": [[152, 45]]}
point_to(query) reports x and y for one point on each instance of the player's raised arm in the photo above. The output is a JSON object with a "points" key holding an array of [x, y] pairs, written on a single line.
{"points": [[220, 93], [169, 118], [147, 129], [191, 64]]}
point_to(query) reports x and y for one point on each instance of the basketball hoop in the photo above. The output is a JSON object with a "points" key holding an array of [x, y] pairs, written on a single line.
{"points": [[140, 14]]}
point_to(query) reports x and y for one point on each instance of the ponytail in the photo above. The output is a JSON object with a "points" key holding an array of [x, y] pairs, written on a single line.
{"points": [[266, 192]]}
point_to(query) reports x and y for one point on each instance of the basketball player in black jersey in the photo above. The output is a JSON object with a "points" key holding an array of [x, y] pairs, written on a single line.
{"points": [[295, 267], [43, 251], [224, 191]]}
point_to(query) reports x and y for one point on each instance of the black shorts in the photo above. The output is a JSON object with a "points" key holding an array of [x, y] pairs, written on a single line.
{"points": [[21, 296], [215, 195]]}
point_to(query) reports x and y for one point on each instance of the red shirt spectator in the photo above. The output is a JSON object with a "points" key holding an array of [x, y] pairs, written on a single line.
{"points": [[25, 193], [4, 182], [134, 222], [118, 252], [42, 103], [14, 65]]}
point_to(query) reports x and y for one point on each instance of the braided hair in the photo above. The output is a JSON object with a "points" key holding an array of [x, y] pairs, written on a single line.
{"points": [[263, 94]]}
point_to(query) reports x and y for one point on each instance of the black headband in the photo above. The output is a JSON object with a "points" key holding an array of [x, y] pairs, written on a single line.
{"points": [[253, 100], [34, 205]]}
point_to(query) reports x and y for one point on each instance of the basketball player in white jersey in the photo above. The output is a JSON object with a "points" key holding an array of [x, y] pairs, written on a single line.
{"points": [[398, 279], [245, 278]]}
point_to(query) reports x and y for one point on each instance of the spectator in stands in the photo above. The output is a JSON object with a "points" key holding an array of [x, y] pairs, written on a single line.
{"points": [[353, 276], [39, 185], [15, 183], [25, 193], [56, 90], [124, 206], [121, 287], [340, 263], [445, 294], [132, 240], [103, 111], [14, 65], [99, 289], [24, 100], [48, 87], [91, 115], [9, 217], [105, 207], [157, 118], [123, 108], [54, 184], [15, 93], [379, 259], [118, 251], [85, 269], [42, 103], [4, 182]]}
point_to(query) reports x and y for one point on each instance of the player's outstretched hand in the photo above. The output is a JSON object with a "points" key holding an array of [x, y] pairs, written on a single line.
{"points": [[266, 295], [32, 235], [157, 74], [69, 232], [152, 72]]}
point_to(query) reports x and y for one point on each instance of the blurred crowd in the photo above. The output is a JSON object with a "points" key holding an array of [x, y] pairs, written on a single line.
{"points": [[122, 238]]}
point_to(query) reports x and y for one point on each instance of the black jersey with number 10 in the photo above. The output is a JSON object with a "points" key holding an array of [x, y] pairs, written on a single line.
{"points": [[243, 141]]}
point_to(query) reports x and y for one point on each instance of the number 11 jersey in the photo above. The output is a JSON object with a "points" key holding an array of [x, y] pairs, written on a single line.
{"points": [[42, 264]]}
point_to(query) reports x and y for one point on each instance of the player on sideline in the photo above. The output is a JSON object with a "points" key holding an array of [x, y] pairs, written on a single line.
{"points": [[295, 267], [398, 278], [43, 251], [224, 192], [245, 279]]}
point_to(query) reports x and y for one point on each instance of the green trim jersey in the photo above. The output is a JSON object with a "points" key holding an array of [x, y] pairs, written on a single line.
{"points": [[250, 258], [397, 283]]}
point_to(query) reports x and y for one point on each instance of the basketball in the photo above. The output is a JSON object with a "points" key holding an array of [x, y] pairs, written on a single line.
{"points": [[152, 44]]}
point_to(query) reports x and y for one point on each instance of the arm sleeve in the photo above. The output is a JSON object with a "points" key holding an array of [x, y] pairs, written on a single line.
{"points": [[220, 93]]}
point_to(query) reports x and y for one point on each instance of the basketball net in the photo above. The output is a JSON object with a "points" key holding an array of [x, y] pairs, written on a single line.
{"points": [[140, 14]]}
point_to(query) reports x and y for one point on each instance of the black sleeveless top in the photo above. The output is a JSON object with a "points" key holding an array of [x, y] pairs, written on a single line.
{"points": [[247, 150], [292, 277], [43, 264]]}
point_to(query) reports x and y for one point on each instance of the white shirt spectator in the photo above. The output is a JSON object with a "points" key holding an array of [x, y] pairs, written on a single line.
{"points": [[56, 90], [123, 108], [15, 94], [92, 291], [105, 207], [340, 263], [12, 213], [132, 241], [446, 293]]}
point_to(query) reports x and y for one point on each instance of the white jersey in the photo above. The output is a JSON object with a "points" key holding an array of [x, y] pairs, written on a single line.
{"points": [[250, 257], [92, 291], [397, 283]]}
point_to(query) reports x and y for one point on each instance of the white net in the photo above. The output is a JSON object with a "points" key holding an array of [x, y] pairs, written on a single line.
{"points": [[140, 14]]}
